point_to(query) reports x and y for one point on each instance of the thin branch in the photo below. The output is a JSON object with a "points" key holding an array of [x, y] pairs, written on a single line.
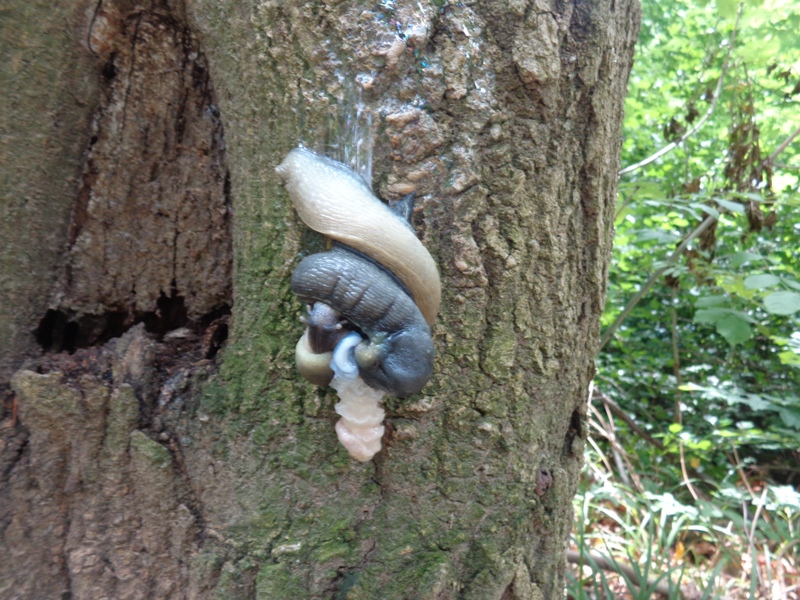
{"points": [[717, 92], [742, 475], [622, 205], [616, 448], [685, 473], [785, 144], [759, 508], [616, 410], [676, 366], [600, 453], [710, 220], [676, 359], [605, 427]]}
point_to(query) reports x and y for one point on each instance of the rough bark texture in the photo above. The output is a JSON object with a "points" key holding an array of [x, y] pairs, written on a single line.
{"points": [[149, 235], [49, 89], [137, 469]]}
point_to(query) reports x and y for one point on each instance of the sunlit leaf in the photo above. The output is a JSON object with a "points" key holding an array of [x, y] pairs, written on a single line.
{"points": [[727, 8], [734, 329], [709, 301], [786, 495], [734, 207], [790, 417], [740, 258], [759, 282], [782, 303], [790, 358]]}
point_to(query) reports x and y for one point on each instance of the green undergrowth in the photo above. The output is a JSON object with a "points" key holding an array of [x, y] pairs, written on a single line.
{"points": [[643, 537], [691, 486]]}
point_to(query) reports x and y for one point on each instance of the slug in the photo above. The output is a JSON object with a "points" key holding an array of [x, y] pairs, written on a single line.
{"points": [[397, 354], [372, 298]]}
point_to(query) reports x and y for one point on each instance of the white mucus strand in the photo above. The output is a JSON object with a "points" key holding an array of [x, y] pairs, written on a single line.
{"points": [[360, 428]]}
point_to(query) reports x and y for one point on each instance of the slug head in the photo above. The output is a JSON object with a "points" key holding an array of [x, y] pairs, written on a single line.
{"points": [[400, 364], [326, 327]]}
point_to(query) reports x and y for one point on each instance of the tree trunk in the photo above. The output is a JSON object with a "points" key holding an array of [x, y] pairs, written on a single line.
{"points": [[138, 462]]}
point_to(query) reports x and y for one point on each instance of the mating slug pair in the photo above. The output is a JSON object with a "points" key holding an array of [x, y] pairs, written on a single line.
{"points": [[372, 297]]}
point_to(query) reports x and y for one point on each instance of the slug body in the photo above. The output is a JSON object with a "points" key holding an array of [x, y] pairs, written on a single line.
{"points": [[397, 354], [335, 201], [373, 296]]}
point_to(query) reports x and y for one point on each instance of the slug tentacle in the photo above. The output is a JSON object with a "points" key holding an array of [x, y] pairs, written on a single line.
{"points": [[373, 296]]}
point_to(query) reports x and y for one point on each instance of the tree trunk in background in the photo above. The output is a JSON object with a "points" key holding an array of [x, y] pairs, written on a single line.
{"points": [[136, 461]]}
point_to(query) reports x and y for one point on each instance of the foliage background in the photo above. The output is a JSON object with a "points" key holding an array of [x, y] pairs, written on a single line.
{"points": [[697, 402]]}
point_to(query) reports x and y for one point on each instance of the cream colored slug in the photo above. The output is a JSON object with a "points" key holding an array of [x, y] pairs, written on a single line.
{"points": [[335, 201]]}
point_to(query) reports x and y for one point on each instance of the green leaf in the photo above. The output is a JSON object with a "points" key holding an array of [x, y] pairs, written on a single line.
{"points": [[790, 358], [734, 329], [727, 8], [790, 417], [782, 303], [713, 316], [786, 495], [759, 282], [710, 315], [709, 210], [792, 284], [740, 258], [734, 207], [691, 387], [709, 301], [662, 237], [756, 402]]}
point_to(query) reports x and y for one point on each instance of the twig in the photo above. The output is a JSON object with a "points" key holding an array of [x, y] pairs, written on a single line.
{"points": [[710, 220], [616, 447], [602, 456], [615, 408], [608, 564], [717, 92], [785, 144], [676, 366], [759, 508], [787, 545], [622, 205], [742, 475], [751, 532], [676, 359], [685, 473], [625, 469]]}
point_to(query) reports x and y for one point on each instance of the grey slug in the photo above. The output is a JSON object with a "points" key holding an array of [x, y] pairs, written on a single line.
{"points": [[378, 280]]}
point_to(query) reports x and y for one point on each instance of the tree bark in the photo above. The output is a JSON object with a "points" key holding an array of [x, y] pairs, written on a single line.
{"points": [[136, 461]]}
